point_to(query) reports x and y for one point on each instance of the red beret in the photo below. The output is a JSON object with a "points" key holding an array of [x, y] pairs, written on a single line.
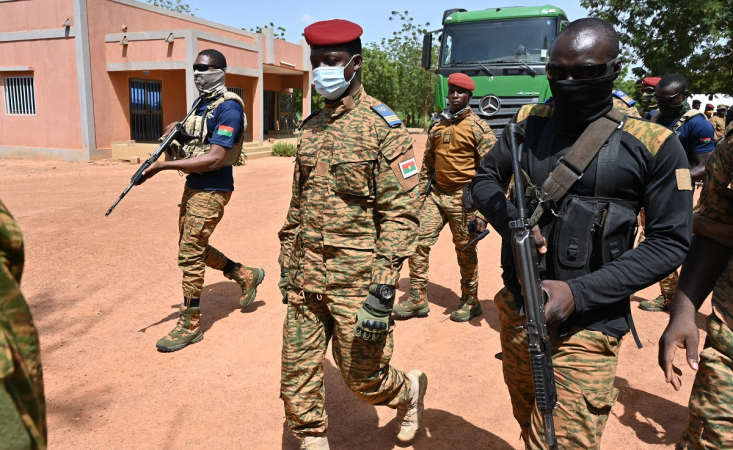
{"points": [[650, 81], [461, 80], [709, 107], [330, 33]]}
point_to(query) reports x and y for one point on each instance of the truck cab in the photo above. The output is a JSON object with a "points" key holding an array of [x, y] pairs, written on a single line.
{"points": [[504, 50]]}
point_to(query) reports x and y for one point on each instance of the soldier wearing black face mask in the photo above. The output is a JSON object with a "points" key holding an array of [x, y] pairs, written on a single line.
{"points": [[585, 232]]}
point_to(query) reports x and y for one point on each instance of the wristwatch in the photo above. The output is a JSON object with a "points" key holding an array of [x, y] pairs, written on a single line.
{"points": [[384, 291]]}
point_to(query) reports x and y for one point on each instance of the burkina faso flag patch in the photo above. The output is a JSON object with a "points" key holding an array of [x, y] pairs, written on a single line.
{"points": [[225, 131], [408, 168]]}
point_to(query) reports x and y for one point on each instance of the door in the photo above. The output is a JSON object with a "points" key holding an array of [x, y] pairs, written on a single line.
{"points": [[269, 111], [146, 110]]}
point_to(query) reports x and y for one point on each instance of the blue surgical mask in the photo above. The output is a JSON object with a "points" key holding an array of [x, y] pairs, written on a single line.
{"points": [[330, 81]]}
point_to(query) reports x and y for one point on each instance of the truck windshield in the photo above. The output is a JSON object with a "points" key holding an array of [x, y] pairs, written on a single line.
{"points": [[527, 40]]}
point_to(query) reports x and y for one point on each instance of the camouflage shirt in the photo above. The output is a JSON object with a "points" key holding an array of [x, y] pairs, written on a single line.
{"points": [[714, 219], [458, 145], [20, 361], [352, 218]]}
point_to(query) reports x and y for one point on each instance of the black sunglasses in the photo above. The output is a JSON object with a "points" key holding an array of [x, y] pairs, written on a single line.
{"points": [[583, 72], [667, 100], [202, 67]]}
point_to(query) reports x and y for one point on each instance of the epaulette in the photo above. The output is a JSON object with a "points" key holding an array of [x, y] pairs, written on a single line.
{"points": [[534, 110], [302, 124], [387, 114], [650, 134], [618, 93]]}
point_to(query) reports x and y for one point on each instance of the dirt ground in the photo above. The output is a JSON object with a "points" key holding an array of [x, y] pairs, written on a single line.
{"points": [[103, 290]]}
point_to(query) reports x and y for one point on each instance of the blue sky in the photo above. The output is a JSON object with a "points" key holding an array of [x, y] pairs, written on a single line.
{"points": [[373, 15]]}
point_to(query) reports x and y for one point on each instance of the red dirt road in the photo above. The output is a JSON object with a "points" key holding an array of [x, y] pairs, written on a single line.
{"points": [[104, 290]]}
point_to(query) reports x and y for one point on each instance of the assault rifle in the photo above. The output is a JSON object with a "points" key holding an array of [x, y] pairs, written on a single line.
{"points": [[525, 256], [172, 136]]}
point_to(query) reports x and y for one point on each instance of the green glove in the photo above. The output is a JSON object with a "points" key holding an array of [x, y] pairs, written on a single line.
{"points": [[372, 319], [283, 284]]}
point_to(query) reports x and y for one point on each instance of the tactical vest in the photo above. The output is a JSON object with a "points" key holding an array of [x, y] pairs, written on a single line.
{"points": [[681, 121], [196, 127]]}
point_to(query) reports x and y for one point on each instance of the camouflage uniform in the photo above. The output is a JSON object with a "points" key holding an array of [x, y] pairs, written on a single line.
{"points": [[22, 403], [718, 123], [710, 421], [445, 205], [352, 221], [625, 104]]}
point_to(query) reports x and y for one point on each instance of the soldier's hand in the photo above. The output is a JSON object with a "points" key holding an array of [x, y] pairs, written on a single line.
{"points": [[480, 225], [283, 284], [560, 302], [372, 319], [680, 333], [149, 172], [539, 240], [169, 128]]}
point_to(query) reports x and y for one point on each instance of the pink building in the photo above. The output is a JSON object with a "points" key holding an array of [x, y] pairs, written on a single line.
{"points": [[81, 79]]}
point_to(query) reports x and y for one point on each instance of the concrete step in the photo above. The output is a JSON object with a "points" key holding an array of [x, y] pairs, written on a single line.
{"points": [[258, 152]]}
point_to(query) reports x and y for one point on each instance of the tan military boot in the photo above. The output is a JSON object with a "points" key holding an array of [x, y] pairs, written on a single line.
{"points": [[415, 306], [249, 278], [410, 414], [314, 443], [187, 331]]}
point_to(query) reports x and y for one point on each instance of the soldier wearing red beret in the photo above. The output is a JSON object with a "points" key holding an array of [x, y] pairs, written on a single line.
{"points": [[456, 142], [352, 222]]}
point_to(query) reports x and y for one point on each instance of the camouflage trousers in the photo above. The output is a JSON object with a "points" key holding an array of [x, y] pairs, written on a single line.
{"points": [[668, 285], [312, 321], [441, 208], [200, 212], [585, 367], [710, 420]]}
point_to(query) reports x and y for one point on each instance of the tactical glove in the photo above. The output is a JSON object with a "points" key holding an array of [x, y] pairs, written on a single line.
{"points": [[372, 319], [283, 284]]}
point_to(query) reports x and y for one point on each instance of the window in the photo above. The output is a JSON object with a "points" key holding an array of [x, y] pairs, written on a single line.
{"points": [[237, 90], [20, 96], [146, 110]]}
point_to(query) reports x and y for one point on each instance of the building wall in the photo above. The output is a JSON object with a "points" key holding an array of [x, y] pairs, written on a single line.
{"points": [[57, 121], [35, 15]]}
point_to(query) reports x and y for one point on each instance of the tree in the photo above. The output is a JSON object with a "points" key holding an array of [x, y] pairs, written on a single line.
{"points": [[693, 39], [174, 5], [379, 74], [279, 32]]}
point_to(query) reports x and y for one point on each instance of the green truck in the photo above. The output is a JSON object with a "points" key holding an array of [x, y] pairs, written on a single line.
{"points": [[504, 50]]}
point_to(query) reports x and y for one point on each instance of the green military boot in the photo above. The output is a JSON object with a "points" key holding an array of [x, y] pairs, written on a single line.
{"points": [[660, 303], [249, 278], [415, 306], [314, 443], [187, 331], [470, 308]]}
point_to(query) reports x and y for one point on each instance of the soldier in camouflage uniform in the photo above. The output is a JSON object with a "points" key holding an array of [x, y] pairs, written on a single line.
{"points": [[588, 313], [351, 223], [22, 403], [709, 267], [456, 142], [218, 127], [718, 121]]}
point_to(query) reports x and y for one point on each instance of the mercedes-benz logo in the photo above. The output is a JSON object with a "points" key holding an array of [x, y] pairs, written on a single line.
{"points": [[489, 105]]}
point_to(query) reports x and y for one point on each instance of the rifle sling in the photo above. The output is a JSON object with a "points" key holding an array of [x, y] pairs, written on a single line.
{"points": [[574, 163]]}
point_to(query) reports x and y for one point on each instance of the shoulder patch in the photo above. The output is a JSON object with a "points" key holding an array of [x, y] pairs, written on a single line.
{"points": [[387, 114], [650, 134], [618, 93], [313, 114], [534, 110], [406, 170]]}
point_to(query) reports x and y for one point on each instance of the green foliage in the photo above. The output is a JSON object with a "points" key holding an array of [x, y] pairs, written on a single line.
{"points": [[174, 5], [279, 32], [628, 84], [284, 149], [693, 39]]}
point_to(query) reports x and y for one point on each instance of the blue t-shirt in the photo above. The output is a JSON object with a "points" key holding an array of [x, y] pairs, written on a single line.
{"points": [[696, 135], [223, 128]]}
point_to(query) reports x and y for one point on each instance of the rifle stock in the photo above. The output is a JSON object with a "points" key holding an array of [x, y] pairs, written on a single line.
{"points": [[173, 135], [525, 257]]}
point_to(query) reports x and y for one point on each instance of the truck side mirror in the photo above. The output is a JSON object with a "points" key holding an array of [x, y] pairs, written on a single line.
{"points": [[427, 50]]}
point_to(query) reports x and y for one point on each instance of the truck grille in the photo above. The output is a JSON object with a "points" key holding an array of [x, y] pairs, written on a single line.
{"points": [[509, 107]]}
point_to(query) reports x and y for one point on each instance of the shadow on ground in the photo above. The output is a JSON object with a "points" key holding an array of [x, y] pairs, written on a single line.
{"points": [[218, 301], [355, 424], [654, 419]]}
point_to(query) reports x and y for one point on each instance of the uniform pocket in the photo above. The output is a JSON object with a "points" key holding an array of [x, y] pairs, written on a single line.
{"points": [[355, 178], [348, 259]]}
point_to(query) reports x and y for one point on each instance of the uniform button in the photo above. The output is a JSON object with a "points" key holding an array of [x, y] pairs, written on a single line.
{"points": [[412, 194]]}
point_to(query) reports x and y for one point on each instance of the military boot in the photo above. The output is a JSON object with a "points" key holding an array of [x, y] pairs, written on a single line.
{"points": [[314, 443], [249, 278], [410, 414], [415, 306], [660, 303], [470, 308], [187, 331]]}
